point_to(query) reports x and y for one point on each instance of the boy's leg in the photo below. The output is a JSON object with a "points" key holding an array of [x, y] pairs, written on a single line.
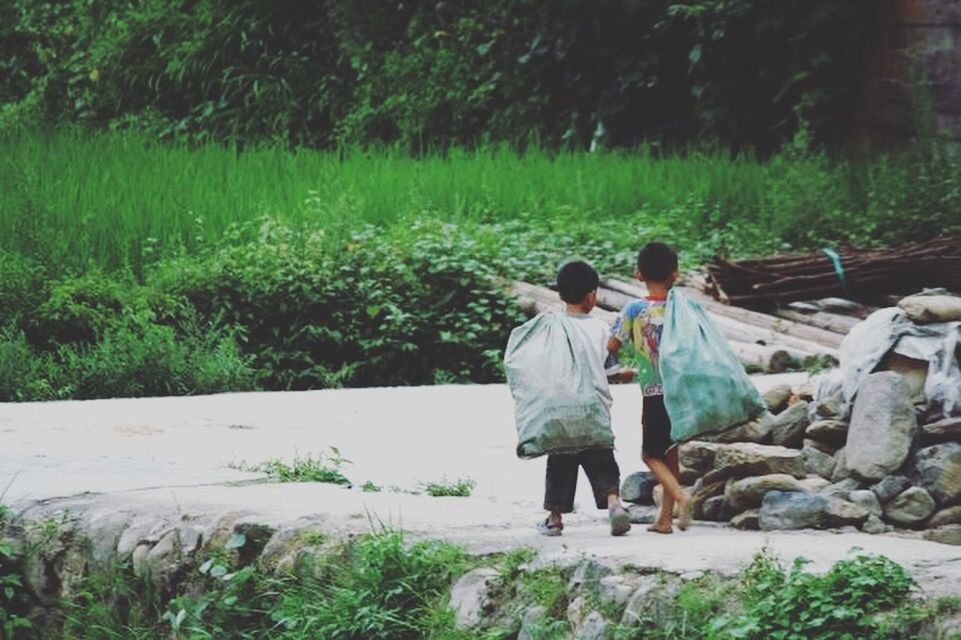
{"points": [[605, 478], [559, 487], [665, 474], [662, 459]]}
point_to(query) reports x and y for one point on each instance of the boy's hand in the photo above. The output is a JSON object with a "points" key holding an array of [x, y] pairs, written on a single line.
{"points": [[625, 375]]}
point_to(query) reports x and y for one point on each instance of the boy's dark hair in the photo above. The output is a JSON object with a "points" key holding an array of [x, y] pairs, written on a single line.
{"points": [[656, 261], [575, 280]]}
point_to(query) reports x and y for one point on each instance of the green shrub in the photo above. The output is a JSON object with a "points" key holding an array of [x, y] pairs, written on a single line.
{"points": [[23, 286], [414, 310], [80, 309], [140, 358], [798, 604]]}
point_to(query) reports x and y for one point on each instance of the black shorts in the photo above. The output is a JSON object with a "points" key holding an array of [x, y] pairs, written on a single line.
{"points": [[655, 427]]}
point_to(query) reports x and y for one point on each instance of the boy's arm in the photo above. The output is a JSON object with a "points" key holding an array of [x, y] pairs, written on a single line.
{"points": [[614, 342], [613, 345]]}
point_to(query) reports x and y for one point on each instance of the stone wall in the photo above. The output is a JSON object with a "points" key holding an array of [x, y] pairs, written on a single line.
{"points": [[912, 74]]}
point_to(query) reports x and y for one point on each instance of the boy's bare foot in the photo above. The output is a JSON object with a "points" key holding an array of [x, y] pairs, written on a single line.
{"points": [[684, 517], [660, 528], [620, 521]]}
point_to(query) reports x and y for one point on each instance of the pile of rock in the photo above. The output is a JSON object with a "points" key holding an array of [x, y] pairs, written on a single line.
{"points": [[805, 467]]}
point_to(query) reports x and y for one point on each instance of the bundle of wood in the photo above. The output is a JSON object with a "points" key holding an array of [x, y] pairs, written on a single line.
{"points": [[861, 274]]}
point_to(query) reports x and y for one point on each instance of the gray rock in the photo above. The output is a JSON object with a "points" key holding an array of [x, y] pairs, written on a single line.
{"points": [[750, 459], [702, 492], [947, 430], [890, 487], [792, 510], [910, 508], [873, 525], [951, 515], [133, 535], [948, 534], [776, 398], [471, 597], [788, 427], [637, 488], [841, 469], [754, 431], [883, 425], [616, 590], [814, 484], [829, 406], [577, 611], [746, 520], [138, 560], [652, 603], [687, 476], [587, 573], [841, 489], [823, 447], [593, 627], [817, 462], [939, 471], [749, 492], [842, 513], [716, 509], [164, 557], [530, 623], [868, 500], [642, 513], [831, 432]]}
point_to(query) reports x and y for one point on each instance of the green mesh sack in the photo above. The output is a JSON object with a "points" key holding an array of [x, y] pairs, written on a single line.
{"points": [[705, 386], [558, 406]]}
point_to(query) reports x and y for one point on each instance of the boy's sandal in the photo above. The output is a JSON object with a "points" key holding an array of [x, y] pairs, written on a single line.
{"points": [[547, 528], [620, 521]]}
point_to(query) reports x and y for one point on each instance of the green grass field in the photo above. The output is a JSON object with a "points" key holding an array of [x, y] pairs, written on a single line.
{"points": [[130, 268], [75, 200]]}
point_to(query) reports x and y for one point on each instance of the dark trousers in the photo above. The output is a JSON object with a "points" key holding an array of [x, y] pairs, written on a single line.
{"points": [[601, 469]]}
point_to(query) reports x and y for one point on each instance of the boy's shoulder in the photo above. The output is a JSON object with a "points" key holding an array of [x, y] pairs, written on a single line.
{"points": [[637, 306], [588, 320]]}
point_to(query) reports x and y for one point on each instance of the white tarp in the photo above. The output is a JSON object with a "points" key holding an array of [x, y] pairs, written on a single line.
{"points": [[890, 331]]}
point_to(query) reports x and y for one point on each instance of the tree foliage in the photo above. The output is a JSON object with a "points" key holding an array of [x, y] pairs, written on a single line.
{"points": [[561, 73]]}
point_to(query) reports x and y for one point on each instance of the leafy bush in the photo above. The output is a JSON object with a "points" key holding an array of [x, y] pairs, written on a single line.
{"points": [[23, 285], [414, 310], [798, 604], [16, 601], [80, 310], [376, 586]]}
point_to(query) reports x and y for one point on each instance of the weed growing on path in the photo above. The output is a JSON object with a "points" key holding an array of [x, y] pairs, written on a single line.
{"points": [[460, 488], [308, 468]]}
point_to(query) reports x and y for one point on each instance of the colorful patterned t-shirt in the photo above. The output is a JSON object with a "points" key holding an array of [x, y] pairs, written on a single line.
{"points": [[640, 323]]}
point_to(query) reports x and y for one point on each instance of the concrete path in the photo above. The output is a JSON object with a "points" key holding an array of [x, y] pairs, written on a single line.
{"points": [[175, 457]]}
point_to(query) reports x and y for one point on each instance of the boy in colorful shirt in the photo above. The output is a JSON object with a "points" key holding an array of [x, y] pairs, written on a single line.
{"points": [[640, 323]]}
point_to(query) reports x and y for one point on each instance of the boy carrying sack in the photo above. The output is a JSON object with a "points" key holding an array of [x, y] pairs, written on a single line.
{"points": [[555, 365], [691, 380]]}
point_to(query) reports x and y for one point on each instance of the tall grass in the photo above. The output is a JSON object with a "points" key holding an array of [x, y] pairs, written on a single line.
{"points": [[75, 200]]}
